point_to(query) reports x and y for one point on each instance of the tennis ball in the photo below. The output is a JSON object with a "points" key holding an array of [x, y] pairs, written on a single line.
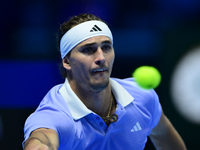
{"points": [[147, 77]]}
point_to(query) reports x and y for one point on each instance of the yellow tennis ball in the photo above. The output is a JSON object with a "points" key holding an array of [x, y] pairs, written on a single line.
{"points": [[147, 77]]}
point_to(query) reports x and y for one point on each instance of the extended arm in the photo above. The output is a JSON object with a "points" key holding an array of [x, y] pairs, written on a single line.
{"points": [[42, 139], [165, 137]]}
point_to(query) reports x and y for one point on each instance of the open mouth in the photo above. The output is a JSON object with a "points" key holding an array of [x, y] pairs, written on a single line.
{"points": [[99, 70]]}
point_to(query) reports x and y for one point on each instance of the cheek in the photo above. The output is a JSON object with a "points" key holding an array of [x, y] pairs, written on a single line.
{"points": [[112, 58], [79, 68]]}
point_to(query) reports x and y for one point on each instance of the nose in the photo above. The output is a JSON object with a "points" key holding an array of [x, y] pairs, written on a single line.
{"points": [[100, 58]]}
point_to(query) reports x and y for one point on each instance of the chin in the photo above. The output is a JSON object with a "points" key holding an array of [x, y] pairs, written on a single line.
{"points": [[98, 87]]}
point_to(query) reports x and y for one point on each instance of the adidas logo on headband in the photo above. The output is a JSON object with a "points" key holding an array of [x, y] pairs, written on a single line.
{"points": [[95, 29], [81, 32]]}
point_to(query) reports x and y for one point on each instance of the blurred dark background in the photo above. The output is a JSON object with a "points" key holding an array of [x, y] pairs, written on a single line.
{"points": [[146, 32]]}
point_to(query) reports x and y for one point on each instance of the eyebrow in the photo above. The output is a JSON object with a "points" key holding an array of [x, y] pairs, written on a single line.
{"points": [[107, 42], [90, 44]]}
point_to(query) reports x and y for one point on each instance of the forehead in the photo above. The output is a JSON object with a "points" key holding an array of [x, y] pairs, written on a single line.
{"points": [[96, 39]]}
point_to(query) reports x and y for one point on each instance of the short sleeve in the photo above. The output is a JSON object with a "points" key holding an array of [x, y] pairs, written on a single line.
{"points": [[51, 118], [157, 111]]}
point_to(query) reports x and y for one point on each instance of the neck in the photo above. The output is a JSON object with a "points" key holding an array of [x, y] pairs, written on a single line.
{"points": [[98, 102]]}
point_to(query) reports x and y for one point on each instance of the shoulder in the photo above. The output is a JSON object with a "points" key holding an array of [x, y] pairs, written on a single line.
{"points": [[52, 113], [146, 101], [134, 90], [53, 99]]}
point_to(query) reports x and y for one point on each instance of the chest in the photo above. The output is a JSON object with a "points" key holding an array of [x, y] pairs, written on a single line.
{"points": [[130, 131]]}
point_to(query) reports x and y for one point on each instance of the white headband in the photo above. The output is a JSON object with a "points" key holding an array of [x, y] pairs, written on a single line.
{"points": [[82, 32]]}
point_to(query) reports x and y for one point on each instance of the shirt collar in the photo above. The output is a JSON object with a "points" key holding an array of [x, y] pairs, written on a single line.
{"points": [[121, 95], [79, 110]]}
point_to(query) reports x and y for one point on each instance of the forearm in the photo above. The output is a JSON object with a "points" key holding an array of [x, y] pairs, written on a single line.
{"points": [[42, 138], [166, 137], [171, 141]]}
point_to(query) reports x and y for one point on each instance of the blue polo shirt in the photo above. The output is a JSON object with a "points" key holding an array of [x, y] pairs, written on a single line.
{"points": [[79, 128]]}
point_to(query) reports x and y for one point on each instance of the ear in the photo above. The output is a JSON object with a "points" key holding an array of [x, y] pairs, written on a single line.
{"points": [[66, 63]]}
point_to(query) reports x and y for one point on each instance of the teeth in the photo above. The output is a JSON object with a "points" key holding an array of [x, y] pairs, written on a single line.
{"points": [[97, 70]]}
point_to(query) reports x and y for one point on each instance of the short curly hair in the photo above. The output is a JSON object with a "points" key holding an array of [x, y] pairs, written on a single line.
{"points": [[66, 26]]}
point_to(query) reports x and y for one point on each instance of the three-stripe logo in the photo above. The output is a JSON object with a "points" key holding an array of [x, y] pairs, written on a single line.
{"points": [[137, 127], [95, 29]]}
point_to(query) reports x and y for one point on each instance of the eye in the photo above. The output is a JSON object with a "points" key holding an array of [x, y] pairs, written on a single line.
{"points": [[87, 50], [106, 47]]}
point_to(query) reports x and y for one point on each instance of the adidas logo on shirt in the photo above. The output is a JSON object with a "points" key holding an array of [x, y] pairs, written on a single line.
{"points": [[95, 29], [137, 127]]}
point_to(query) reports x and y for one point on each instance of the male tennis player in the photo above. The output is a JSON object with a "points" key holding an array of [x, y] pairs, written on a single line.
{"points": [[91, 110]]}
